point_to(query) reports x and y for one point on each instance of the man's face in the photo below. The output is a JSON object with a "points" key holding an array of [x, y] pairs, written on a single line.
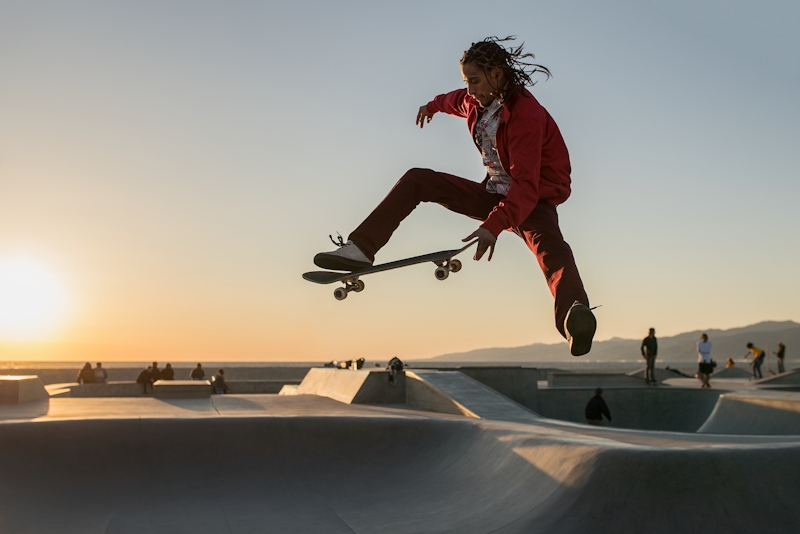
{"points": [[483, 86]]}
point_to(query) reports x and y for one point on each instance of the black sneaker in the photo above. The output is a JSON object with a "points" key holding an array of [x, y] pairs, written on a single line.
{"points": [[580, 326]]}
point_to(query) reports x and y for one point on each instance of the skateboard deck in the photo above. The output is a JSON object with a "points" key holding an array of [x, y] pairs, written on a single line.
{"points": [[352, 282]]}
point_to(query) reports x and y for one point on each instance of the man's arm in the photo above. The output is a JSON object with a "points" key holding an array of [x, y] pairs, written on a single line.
{"points": [[605, 410], [644, 341], [452, 103]]}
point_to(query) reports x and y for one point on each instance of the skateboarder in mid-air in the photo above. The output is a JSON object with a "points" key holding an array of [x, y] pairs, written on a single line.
{"points": [[527, 176]]}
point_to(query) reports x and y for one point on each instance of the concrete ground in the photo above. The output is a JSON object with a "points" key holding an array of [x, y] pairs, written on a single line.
{"points": [[267, 463]]}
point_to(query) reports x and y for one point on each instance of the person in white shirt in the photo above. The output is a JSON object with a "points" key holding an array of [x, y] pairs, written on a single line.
{"points": [[705, 367]]}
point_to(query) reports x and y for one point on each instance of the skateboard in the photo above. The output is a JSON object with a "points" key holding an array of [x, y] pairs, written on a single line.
{"points": [[445, 264]]}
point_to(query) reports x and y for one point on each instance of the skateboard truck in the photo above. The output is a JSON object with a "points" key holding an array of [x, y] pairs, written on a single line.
{"points": [[351, 284]]}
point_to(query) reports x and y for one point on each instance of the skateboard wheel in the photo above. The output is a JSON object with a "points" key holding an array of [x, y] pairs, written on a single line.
{"points": [[455, 266], [358, 286], [442, 273], [340, 293]]}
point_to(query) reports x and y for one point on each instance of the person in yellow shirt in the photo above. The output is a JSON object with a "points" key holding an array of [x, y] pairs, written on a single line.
{"points": [[758, 359]]}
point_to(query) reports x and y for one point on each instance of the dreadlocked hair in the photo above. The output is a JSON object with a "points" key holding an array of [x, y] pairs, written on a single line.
{"points": [[489, 53]]}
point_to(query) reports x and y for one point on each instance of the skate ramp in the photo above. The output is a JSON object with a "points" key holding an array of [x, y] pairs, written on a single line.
{"points": [[755, 412], [371, 472], [456, 393]]}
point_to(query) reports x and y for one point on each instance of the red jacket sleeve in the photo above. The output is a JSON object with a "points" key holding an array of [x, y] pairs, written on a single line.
{"points": [[523, 164], [452, 103]]}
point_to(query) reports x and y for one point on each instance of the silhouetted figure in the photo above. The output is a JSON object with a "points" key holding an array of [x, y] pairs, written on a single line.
{"points": [[705, 365], [145, 379], [100, 374], [758, 359], [649, 350], [168, 373], [596, 408], [781, 354], [155, 373], [218, 382], [86, 375], [394, 367], [198, 373]]}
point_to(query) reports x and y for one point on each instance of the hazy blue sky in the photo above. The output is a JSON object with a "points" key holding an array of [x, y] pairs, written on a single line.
{"points": [[178, 164]]}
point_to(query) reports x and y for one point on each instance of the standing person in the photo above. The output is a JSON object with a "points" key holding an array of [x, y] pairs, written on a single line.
{"points": [[144, 379], [781, 354], [86, 375], [649, 350], [168, 373], [596, 408], [100, 374], [705, 367], [218, 382], [758, 359], [527, 175], [155, 373], [198, 373]]}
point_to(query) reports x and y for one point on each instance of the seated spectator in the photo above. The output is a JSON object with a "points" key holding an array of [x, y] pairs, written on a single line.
{"points": [[218, 382], [155, 373], [86, 375], [198, 373], [729, 363], [145, 379], [596, 408], [168, 373], [100, 375]]}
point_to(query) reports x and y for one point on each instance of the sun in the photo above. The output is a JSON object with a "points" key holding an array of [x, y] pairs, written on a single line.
{"points": [[32, 301]]}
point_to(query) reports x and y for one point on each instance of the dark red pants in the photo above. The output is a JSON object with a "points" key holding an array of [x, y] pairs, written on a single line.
{"points": [[540, 230]]}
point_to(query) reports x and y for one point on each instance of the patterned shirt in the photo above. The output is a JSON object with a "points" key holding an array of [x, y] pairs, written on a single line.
{"points": [[486, 139]]}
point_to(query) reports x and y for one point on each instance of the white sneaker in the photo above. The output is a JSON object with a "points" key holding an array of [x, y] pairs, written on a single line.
{"points": [[347, 257]]}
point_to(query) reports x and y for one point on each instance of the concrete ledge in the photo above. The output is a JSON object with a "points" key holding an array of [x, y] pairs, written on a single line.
{"points": [[108, 389], [181, 389], [593, 380], [243, 387], [22, 388]]}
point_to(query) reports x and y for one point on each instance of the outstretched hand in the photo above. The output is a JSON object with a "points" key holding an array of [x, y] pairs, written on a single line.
{"points": [[423, 116], [486, 240]]}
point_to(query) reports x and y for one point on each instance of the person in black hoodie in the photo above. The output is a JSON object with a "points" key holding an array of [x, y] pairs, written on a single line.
{"points": [[596, 408]]}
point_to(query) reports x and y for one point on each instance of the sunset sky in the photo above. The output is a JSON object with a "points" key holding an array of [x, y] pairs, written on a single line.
{"points": [[169, 169]]}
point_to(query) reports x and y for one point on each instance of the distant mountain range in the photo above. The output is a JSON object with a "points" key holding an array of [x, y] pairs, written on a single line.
{"points": [[681, 348]]}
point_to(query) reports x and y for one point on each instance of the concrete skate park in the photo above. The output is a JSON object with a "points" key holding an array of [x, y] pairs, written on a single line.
{"points": [[472, 450]]}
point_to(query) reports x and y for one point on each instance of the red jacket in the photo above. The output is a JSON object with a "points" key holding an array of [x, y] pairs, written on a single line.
{"points": [[531, 151]]}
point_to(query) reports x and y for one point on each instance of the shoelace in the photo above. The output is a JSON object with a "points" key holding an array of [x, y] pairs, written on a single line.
{"points": [[341, 242]]}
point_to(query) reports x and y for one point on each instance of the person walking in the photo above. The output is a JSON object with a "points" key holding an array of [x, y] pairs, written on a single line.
{"points": [[780, 354], [649, 350], [198, 373], [705, 366], [527, 174], [758, 359], [596, 408]]}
